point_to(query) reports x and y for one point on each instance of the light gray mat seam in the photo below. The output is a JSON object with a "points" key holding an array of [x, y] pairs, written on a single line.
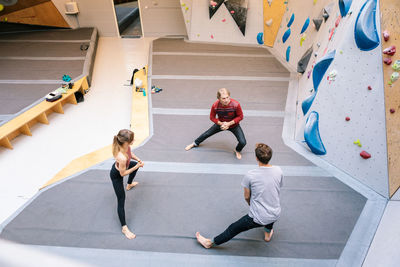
{"points": [[179, 167], [209, 54], [107, 257], [43, 58], [360, 240], [250, 113], [221, 78], [44, 41]]}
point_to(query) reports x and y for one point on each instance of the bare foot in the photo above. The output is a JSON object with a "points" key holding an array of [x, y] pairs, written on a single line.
{"points": [[188, 147], [132, 185], [268, 236], [203, 241], [128, 233], [238, 155]]}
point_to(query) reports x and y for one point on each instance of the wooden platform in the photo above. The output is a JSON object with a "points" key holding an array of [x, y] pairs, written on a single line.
{"points": [[38, 114], [390, 10]]}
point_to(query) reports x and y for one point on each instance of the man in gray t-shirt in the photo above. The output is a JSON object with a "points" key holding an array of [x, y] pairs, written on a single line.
{"points": [[261, 191]]}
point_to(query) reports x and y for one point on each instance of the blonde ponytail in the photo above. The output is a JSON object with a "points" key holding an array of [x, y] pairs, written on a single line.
{"points": [[123, 136]]}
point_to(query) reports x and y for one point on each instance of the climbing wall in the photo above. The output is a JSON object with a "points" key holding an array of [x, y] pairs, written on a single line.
{"points": [[350, 96], [221, 28], [273, 13], [390, 10]]}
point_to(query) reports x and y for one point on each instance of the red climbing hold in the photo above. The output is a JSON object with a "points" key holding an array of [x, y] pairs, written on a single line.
{"points": [[347, 118], [392, 110], [387, 60], [365, 154], [337, 21], [223, 20], [212, 36], [386, 35], [390, 51], [232, 12], [369, 87]]}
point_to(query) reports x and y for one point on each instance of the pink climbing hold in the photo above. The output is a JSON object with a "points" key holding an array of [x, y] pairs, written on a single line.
{"points": [[369, 87], [387, 60], [365, 154], [212, 36], [347, 118], [392, 110], [386, 35], [337, 21], [232, 11], [390, 51], [223, 20]]}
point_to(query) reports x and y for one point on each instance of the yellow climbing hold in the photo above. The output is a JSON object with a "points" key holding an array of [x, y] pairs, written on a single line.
{"points": [[315, 2], [357, 142], [302, 39], [1, 7]]}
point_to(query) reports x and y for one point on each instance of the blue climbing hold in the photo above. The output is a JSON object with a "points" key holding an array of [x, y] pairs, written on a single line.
{"points": [[365, 30], [318, 73], [305, 25], [290, 21], [320, 68], [344, 7], [312, 135], [286, 35], [66, 78], [288, 53], [305, 106], [260, 38]]}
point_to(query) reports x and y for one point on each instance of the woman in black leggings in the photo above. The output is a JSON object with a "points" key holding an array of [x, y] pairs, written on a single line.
{"points": [[124, 166]]}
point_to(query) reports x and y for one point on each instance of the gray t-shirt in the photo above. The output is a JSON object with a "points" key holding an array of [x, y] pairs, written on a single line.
{"points": [[264, 184]]}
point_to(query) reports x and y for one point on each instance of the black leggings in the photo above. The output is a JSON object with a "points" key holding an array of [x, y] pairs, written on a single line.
{"points": [[118, 184], [243, 224], [237, 131]]}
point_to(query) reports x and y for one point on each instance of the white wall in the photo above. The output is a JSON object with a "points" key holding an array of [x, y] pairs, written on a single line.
{"points": [[161, 18], [92, 13], [201, 27]]}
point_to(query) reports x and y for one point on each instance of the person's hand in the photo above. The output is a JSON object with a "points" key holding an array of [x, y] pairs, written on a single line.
{"points": [[141, 164], [224, 126]]}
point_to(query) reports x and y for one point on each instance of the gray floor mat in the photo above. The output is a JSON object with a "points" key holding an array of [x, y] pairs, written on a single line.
{"points": [[76, 34], [15, 97], [39, 69], [216, 66], [173, 133], [178, 45], [166, 209], [252, 95], [29, 49]]}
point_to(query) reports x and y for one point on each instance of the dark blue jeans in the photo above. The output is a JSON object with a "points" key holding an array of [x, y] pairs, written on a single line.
{"points": [[243, 224], [237, 131]]}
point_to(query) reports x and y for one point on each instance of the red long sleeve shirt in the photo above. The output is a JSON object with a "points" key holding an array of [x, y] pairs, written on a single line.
{"points": [[233, 111]]}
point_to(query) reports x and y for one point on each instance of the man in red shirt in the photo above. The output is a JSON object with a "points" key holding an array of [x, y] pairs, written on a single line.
{"points": [[226, 114]]}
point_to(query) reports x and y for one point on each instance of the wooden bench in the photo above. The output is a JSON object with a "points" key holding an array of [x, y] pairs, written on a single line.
{"points": [[23, 123]]}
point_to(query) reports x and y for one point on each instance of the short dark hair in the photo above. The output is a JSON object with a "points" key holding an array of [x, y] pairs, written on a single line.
{"points": [[263, 153]]}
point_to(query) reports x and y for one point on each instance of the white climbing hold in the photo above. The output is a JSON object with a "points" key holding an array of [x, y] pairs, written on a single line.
{"points": [[269, 2], [332, 75], [268, 22]]}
